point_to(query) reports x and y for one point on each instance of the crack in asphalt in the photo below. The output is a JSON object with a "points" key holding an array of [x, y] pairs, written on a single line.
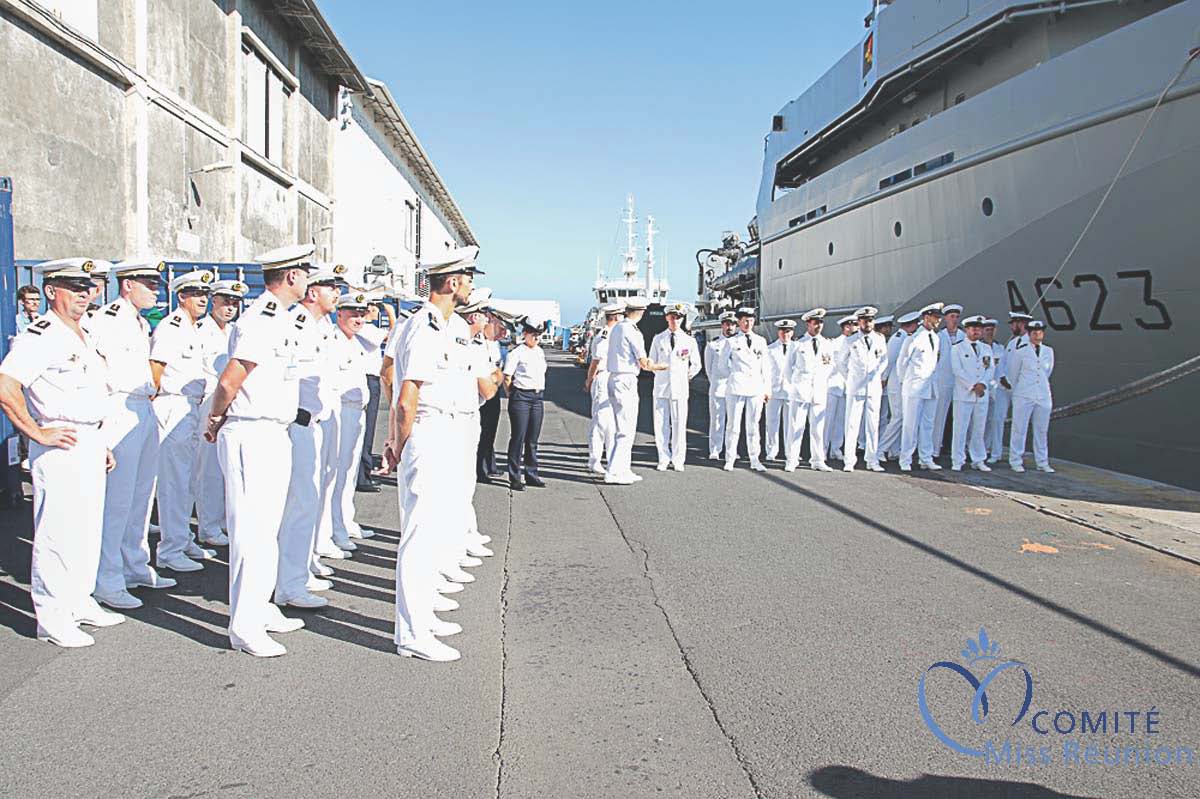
{"points": [[498, 754]]}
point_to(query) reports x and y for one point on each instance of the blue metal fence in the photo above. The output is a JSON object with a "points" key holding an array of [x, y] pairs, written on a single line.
{"points": [[10, 476]]}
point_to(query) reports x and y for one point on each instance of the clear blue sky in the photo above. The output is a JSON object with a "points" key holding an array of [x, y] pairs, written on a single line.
{"points": [[542, 116]]}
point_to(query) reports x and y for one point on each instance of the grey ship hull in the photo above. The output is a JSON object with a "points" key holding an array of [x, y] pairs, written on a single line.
{"points": [[1120, 309]]}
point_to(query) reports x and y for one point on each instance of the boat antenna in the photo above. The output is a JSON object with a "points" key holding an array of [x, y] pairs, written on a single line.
{"points": [[630, 266], [650, 231]]}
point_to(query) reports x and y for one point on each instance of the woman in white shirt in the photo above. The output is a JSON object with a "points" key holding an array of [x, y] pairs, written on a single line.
{"points": [[524, 382]]}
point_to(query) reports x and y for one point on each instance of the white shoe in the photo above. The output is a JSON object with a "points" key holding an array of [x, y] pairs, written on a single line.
{"points": [[848, 468], [197, 552], [929, 467], [758, 466], [479, 551], [619, 480], [121, 600], [662, 467], [469, 561], [457, 575], [447, 587], [96, 616], [317, 584], [993, 461], [285, 625], [443, 604], [1048, 469], [362, 532], [875, 467], [152, 579], [637, 478], [595, 468], [263, 646], [906, 467], [336, 554], [728, 466], [679, 467], [956, 467], [321, 570], [306, 600], [428, 649], [179, 563], [1018, 468], [70, 638], [981, 467], [822, 467], [444, 629], [790, 467], [346, 546], [218, 540], [481, 538]]}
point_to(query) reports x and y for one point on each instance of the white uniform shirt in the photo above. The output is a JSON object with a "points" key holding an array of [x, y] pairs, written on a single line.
{"points": [[527, 367], [892, 375], [422, 353], [749, 369], [998, 358], [683, 360], [178, 344], [214, 345], [1029, 370], [466, 355], [626, 346], [945, 372], [494, 355], [62, 374], [714, 366], [315, 363], [485, 359], [1009, 348], [266, 336], [777, 358], [837, 381], [810, 365], [918, 363], [372, 338], [600, 352], [971, 365], [350, 363], [863, 361], [122, 337]]}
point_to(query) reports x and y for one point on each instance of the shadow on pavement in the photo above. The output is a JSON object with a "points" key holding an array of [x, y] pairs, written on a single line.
{"points": [[846, 782]]}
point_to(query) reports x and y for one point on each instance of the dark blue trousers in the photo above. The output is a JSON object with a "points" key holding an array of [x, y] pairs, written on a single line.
{"points": [[525, 423]]}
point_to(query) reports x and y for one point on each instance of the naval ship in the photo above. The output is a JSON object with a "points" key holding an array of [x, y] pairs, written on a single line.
{"points": [[1025, 156]]}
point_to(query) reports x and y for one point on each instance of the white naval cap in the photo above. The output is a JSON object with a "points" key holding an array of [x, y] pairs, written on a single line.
{"points": [[933, 308], [229, 288], [613, 309], [454, 261], [865, 312], [477, 301], [973, 321], [990, 322], [953, 307], [354, 301], [786, 324], [745, 310], [848, 320], [728, 316], [678, 309], [72, 269], [139, 267], [815, 313], [198, 279], [909, 318], [1036, 324], [886, 319], [293, 256], [1017, 316], [637, 304], [327, 275]]}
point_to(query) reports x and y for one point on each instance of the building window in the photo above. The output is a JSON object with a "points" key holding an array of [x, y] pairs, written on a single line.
{"points": [[264, 112], [410, 226]]}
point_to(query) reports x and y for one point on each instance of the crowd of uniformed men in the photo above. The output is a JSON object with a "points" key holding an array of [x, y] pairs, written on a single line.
{"points": [[259, 425], [888, 394]]}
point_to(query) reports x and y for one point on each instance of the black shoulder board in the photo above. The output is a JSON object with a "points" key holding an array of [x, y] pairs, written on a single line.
{"points": [[269, 309], [175, 321], [270, 305], [299, 324], [1019, 346], [300, 318], [432, 323], [112, 310], [37, 327]]}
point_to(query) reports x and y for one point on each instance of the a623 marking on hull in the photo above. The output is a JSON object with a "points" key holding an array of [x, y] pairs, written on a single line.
{"points": [[1060, 315]]}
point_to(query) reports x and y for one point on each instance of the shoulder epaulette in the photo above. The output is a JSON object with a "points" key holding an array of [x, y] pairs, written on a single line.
{"points": [[175, 321], [268, 309], [37, 327], [433, 323], [1020, 345], [113, 309]]}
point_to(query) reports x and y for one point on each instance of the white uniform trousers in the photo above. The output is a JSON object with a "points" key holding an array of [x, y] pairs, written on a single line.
{"points": [[1027, 413], [736, 408], [1001, 398], [308, 489], [68, 512], [716, 425], [889, 439], [623, 393], [970, 419], [778, 411], [351, 421], [670, 430], [601, 430], [124, 551], [835, 425], [812, 413], [861, 412], [256, 457], [330, 442], [944, 395], [470, 447], [917, 434], [178, 419], [208, 485], [453, 546], [430, 509]]}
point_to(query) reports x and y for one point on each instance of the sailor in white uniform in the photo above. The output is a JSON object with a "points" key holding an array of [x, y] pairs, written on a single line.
{"points": [[749, 372], [52, 388], [997, 350], [835, 405], [863, 359], [889, 439], [177, 363], [1029, 370], [601, 430], [257, 397], [973, 368], [718, 381], [424, 443], [208, 484], [918, 363], [626, 359], [484, 383], [950, 335], [679, 351], [1017, 320], [122, 337], [778, 405], [810, 365], [884, 325]]}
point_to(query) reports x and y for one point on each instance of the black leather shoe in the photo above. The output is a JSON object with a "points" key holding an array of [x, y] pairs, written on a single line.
{"points": [[367, 488], [516, 485], [535, 481]]}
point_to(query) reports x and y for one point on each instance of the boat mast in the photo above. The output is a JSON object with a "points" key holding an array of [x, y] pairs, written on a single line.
{"points": [[650, 231], [629, 267]]}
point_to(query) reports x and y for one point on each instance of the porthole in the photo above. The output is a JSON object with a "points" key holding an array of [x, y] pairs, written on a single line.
{"points": [[988, 206], [781, 263], [831, 248], [897, 229]]}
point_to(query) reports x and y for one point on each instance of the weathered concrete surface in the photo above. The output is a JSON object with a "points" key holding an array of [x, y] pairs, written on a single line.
{"points": [[700, 634]]}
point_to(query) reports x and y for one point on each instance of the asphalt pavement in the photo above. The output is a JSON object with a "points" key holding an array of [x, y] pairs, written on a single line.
{"points": [[702, 634]]}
